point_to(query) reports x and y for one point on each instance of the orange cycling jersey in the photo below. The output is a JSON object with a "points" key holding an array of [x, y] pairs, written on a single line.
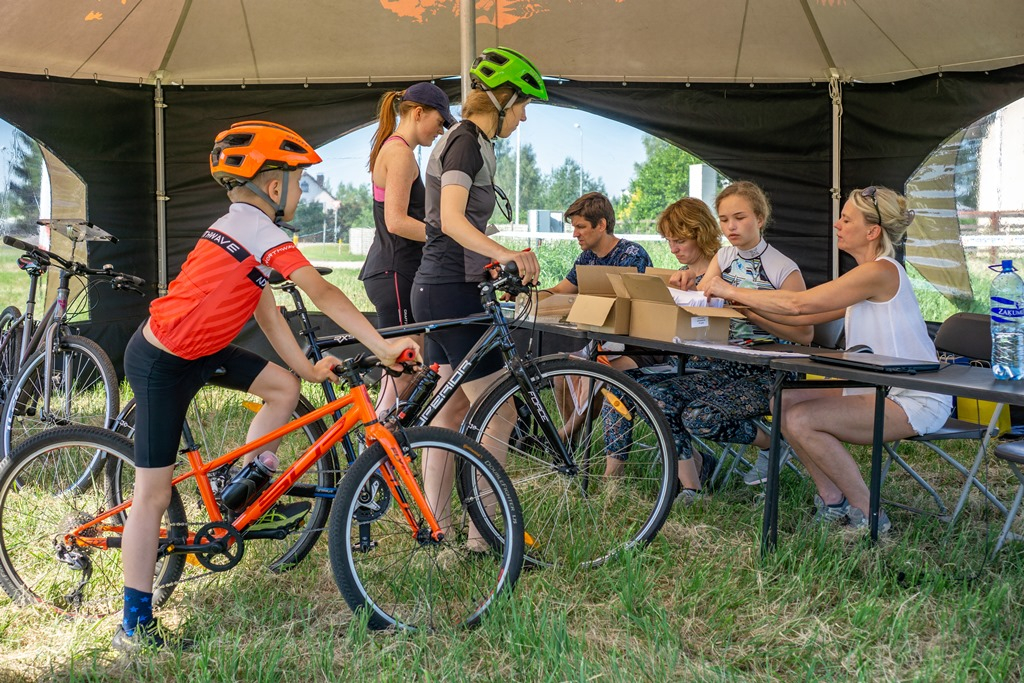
{"points": [[221, 282]]}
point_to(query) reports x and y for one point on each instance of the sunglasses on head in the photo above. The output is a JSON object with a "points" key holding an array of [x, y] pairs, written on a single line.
{"points": [[870, 191], [504, 205]]}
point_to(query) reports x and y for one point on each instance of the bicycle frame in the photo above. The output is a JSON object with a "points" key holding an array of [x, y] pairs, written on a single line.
{"points": [[356, 407], [497, 337]]}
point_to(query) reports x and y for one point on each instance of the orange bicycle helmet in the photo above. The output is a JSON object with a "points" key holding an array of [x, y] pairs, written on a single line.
{"points": [[249, 147]]}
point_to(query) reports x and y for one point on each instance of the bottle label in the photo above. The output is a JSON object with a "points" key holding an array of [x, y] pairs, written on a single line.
{"points": [[1005, 310]]}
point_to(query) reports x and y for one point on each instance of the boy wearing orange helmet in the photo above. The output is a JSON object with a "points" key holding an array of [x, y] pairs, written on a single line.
{"points": [[188, 336]]}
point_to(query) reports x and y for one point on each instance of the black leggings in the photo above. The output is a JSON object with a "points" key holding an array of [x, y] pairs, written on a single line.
{"points": [[164, 385], [390, 293]]}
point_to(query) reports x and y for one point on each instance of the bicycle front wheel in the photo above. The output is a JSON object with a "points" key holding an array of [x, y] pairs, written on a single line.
{"points": [[404, 579], [41, 501], [82, 387], [619, 488]]}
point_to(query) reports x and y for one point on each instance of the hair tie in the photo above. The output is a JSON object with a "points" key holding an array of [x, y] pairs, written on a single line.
{"points": [[910, 215]]}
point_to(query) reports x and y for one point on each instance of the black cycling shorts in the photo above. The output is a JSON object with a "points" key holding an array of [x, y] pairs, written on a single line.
{"points": [[165, 384], [449, 347], [390, 294]]}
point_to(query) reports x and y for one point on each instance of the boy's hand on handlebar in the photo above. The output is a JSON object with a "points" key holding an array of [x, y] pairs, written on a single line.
{"points": [[393, 349], [323, 369]]}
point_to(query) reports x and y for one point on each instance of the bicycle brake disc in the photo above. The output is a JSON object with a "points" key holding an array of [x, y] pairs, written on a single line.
{"points": [[374, 500]]}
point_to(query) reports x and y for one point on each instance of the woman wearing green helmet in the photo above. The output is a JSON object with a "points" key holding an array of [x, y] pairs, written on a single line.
{"points": [[459, 202]]}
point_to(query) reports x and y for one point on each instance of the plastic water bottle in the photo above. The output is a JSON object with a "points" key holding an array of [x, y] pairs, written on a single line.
{"points": [[250, 482], [1007, 300]]}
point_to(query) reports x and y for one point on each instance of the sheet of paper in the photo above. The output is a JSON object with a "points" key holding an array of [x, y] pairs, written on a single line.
{"points": [[745, 350], [683, 297]]}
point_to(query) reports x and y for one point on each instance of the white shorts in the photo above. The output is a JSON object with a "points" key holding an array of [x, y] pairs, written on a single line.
{"points": [[925, 412]]}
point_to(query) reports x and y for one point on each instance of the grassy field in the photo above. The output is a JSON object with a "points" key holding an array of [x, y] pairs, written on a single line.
{"points": [[698, 604]]}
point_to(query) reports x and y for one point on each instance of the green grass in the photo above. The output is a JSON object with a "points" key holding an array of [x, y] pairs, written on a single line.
{"points": [[698, 604]]}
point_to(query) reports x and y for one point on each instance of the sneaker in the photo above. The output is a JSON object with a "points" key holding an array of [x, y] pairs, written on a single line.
{"points": [[831, 514], [149, 636], [688, 497], [282, 517], [758, 473], [859, 521]]}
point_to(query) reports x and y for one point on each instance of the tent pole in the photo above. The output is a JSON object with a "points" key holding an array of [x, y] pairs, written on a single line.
{"points": [[161, 189], [835, 90], [467, 38]]}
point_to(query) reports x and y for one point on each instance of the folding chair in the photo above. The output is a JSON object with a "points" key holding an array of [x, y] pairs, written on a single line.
{"points": [[963, 335], [1013, 454]]}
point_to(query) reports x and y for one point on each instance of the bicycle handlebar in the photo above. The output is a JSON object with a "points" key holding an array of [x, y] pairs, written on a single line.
{"points": [[119, 280], [367, 361], [509, 280]]}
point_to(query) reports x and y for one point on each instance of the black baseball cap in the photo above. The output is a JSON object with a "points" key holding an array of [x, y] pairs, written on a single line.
{"points": [[432, 96]]}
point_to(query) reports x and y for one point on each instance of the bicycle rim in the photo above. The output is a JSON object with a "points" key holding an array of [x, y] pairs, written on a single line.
{"points": [[39, 504], [219, 419], [83, 391], [405, 583], [580, 517]]}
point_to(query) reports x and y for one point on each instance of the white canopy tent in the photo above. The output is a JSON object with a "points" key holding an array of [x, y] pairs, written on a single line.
{"points": [[82, 77], [269, 41]]}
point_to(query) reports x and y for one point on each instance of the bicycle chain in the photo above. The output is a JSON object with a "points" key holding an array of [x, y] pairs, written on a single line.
{"points": [[208, 574]]}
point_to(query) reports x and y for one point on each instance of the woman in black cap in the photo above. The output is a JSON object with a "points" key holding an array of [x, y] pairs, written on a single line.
{"points": [[398, 200]]}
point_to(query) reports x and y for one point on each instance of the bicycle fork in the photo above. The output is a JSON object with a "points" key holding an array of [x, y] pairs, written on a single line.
{"points": [[536, 407]]}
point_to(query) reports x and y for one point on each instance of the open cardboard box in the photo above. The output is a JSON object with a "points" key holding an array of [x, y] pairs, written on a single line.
{"points": [[654, 315], [602, 304], [546, 306]]}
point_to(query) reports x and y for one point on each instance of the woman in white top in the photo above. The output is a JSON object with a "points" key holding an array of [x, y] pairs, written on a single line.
{"points": [[881, 312]]}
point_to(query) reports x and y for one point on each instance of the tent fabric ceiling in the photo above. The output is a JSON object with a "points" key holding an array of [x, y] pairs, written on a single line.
{"points": [[263, 41]]}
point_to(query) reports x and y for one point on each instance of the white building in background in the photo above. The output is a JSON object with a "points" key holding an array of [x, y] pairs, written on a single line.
{"points": [[314, 191]]}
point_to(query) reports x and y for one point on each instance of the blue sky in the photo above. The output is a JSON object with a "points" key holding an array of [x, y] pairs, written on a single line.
{"points": [[609, 148]]}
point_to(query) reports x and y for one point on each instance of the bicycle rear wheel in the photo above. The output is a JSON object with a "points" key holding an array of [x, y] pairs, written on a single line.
{"points": [[39, 504], [83, 391], [219, 419], [579, 516], [10, 348], [408, 581]]}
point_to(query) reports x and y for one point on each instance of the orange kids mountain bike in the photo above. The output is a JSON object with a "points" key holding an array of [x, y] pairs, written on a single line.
{"points": [[409, 561]]}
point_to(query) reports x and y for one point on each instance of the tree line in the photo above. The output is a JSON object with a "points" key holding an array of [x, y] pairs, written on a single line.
{"points": [[659, 179]]}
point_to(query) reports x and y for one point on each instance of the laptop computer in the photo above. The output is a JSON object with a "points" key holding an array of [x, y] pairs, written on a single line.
{"points": [[876, 363]]}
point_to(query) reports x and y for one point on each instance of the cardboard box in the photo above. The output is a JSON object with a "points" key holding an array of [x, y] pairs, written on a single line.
{"points": [[549, 308], [602, 305], [654, 315]]}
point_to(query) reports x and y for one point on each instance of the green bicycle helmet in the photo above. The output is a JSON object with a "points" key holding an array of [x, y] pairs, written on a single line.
{"points": [[498, 66]]}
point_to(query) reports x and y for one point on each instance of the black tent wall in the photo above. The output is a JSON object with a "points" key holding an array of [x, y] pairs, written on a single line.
{"points": [[104, 133], [776, 135]]}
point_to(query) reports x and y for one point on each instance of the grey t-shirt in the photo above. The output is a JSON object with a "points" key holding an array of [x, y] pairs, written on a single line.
{"points": [[463, 156]]}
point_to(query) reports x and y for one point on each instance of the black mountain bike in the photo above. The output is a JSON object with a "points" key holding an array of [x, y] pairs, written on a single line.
{"points": [[555, 452]]}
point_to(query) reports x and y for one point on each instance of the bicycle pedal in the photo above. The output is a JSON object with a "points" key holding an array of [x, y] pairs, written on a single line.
{"points": [[364, 547]]}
